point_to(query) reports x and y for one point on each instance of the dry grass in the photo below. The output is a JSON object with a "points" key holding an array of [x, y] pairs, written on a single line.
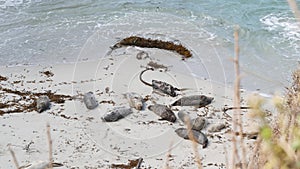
{"points": [[50, 165], [167, 166], [195, 145], [237, 122], [280, 142], [14, 157], [50, 147], [278, 145]]}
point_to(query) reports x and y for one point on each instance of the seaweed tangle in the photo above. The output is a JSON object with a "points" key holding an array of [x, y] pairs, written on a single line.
{"points": [[14, 106], [154, 43], [132, 164]]}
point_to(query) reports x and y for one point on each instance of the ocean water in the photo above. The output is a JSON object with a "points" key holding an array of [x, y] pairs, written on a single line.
{"points": [[55, 31]]}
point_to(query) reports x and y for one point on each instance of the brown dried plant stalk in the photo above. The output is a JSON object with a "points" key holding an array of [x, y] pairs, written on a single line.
{"points": [[294, 8], [167, 166], [296, 12], [195, 144], [50, 147], [237, 118], [14, 157]]}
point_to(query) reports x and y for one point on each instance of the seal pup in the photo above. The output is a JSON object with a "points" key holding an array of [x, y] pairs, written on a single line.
{"points": [[198, 136], [116, 114], [194, 100], [135, 100], [40, 165], [90, 100], [43, 103], [160, 86], [163, 111], [197, 123]]}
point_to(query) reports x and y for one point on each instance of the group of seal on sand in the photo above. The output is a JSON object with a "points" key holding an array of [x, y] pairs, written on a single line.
{"points": [[136, 101], [198, 101]]}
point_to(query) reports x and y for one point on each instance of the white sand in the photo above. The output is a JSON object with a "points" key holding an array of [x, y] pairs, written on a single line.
{"points": [[84, 141]]}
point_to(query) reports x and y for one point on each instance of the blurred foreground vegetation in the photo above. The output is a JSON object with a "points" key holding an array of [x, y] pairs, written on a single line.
{"points": [[278, 144]]}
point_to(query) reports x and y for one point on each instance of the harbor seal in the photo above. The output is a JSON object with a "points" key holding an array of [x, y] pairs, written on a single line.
{"points": [[116, 114], [135, 100], [43, 103], [194, 100], [198, 136], [217, 127], [197, 123], [163, 111], [160, 86], [90, 100]]}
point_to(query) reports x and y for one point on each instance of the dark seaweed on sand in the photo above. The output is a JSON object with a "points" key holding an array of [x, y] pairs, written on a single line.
{"points": [[31, 99], [154, 43], [132, 164]]}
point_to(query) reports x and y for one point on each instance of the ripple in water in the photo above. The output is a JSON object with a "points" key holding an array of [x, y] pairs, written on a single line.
{"points": [[286, 33]]}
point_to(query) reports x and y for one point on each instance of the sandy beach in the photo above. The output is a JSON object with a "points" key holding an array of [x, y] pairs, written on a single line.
{"points": [[82, 140]]}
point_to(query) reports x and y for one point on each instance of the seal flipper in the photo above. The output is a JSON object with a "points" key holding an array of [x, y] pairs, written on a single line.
{"points": [[176, 103]]}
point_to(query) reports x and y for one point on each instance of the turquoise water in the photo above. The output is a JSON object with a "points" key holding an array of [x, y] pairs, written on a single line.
{"points": [[49, 32]]}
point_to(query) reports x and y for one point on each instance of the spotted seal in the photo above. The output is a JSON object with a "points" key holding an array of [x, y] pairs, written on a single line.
{"points": [[90, 100], [193, 100], [135, 100], [197, 123], [116, 114], [160, 86], [198, 136], [163, 111], [43, 103]]}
